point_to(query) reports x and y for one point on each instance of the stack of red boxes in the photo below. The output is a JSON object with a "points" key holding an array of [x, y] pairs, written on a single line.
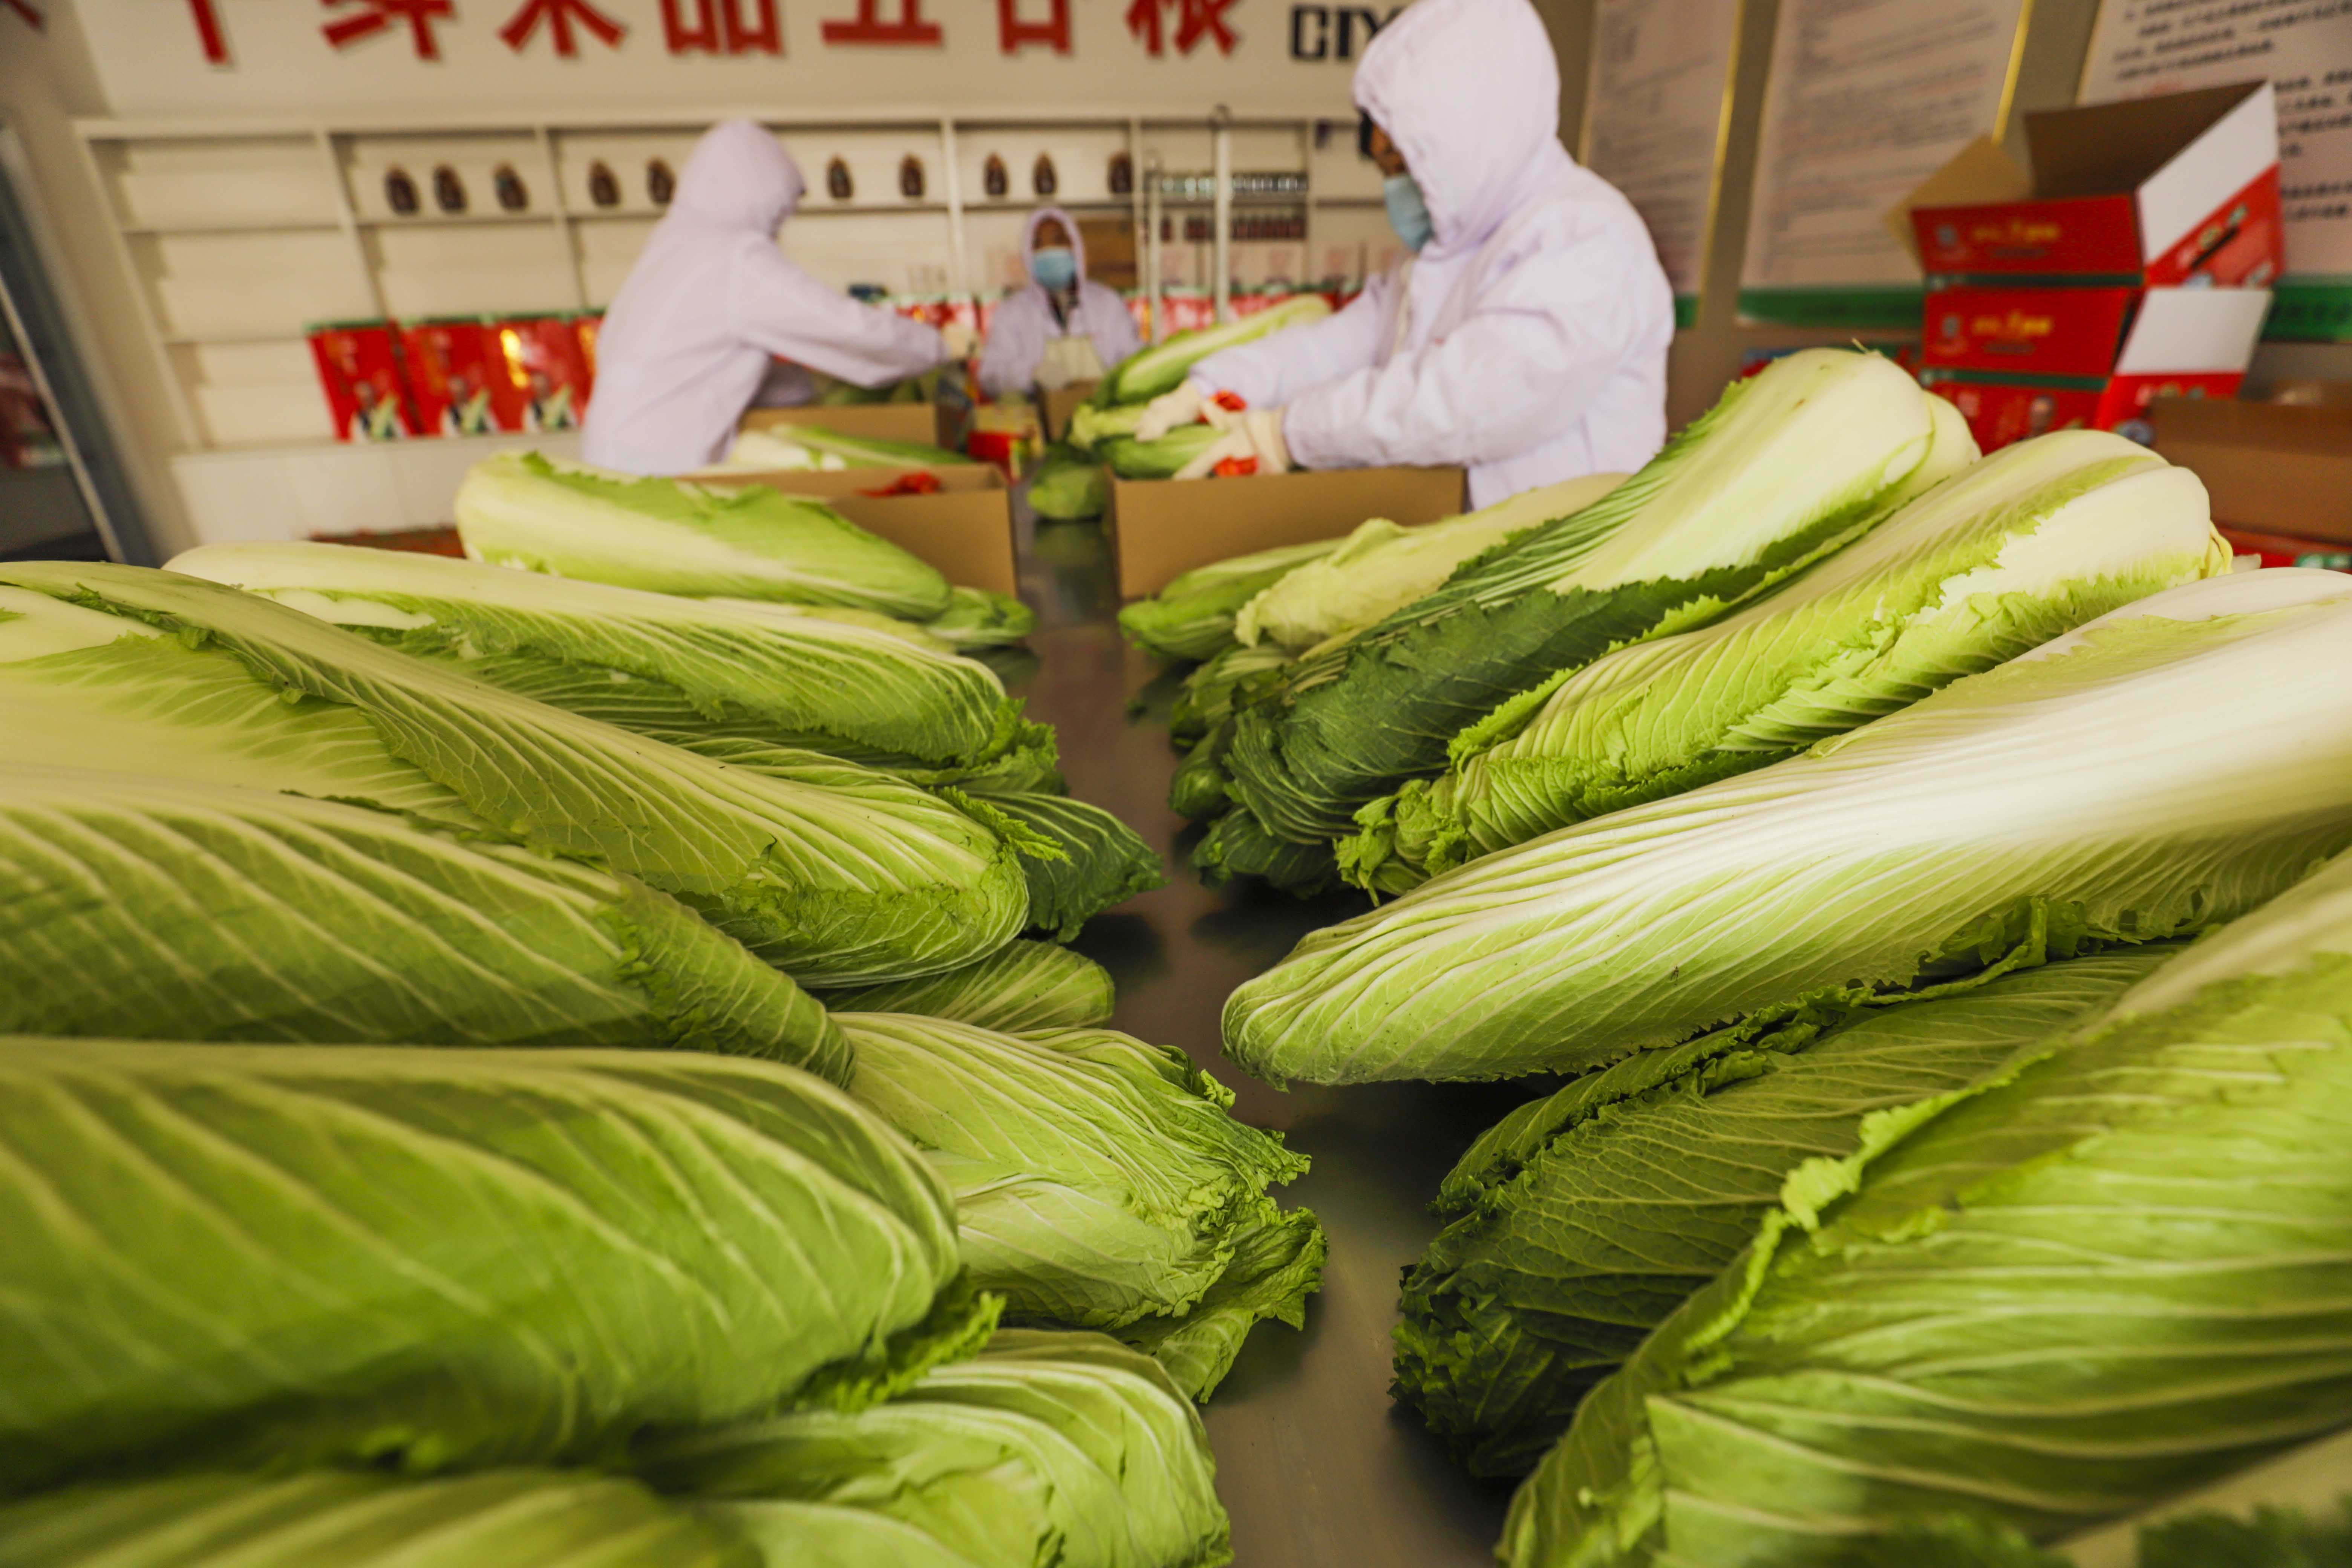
{"points": [[466, 376], [2139, 266]]}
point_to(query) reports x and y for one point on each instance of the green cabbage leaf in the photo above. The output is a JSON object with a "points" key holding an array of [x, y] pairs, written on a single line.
{"points": [[2169, 766], [675, 536], [230, 1256], [1022, 985]]}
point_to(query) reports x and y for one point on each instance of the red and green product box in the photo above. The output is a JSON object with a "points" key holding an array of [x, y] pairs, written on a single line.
{"points": [[458, 377], [2133, 263], [547, 370], [360, 372]]}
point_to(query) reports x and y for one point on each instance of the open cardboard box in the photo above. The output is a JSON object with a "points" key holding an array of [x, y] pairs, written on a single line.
{"points": [[964, 528], [1059, 403], [925, 422], [1160, 529], [2269, 467], [2148, 193]]}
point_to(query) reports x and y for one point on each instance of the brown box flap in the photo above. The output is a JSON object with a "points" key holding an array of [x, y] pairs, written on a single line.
{"points": [[1160, 529], [1057, 405], [965, 530], [1977, 174], [2110, 149], [2269, 467]]}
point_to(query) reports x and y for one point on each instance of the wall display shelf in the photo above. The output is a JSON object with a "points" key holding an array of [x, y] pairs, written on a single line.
{"points": [[242, 233]]}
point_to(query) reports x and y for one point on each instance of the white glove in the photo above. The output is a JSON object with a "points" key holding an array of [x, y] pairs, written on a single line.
{"points": [[1169, 409], [1254, 439], [961, 341]]}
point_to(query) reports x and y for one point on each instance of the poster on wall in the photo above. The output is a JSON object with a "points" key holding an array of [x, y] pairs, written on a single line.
{"points": [[1655, 106], [2141, 47], [1866, 99]]}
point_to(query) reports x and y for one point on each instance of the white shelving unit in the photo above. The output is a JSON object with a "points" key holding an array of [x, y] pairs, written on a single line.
{"points": [[243, 233]]}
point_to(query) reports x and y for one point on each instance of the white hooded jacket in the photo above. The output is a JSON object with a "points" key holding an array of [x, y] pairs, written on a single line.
{"points": [[1528, 339], [1024, 319], [688, 340]]}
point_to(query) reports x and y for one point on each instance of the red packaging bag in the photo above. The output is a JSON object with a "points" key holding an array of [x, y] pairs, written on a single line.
{"points": [[360, 370], [459, 378], [548, 370]]}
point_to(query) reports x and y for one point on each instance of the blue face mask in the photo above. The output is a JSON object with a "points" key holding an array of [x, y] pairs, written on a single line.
{"points": [[1408, 214], [1056, 268]]}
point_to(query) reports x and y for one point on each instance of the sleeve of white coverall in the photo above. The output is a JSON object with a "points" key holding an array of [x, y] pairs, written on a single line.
{"points": [[1016, 342], [1526, 364], [1276, 369], [782, 309]]}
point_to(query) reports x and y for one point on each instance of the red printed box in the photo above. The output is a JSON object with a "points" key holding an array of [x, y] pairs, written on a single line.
{"points": [[2001, 412], [2182, 342], [2180, 189], [359, 370], [458, 378], [547, 369], [2037, 331]]}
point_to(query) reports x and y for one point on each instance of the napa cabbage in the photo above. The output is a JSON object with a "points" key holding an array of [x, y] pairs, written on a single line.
{"points": [[2107, 1274], [1584, 1218], [1148, 372], [2169, 765], [1099, 1182], [1021, 986], [233, 1256], [158, 908], [790, 672], [677, 536], [2031, 543], [1192, 617], [1379, 568], [833, 871], [1790, 464]]}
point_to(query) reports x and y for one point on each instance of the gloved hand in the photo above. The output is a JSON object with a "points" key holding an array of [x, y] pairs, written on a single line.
{"points": [[1251, 443], [1169, 409], [961, 341]]}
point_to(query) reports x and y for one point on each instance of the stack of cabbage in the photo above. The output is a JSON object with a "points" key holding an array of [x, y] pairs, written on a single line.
{"points": [[1071, 484], [347, 1305], [1913, 1169], [324, 842], [1418, 641]]}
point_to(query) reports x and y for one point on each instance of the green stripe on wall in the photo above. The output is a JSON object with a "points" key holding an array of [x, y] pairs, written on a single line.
{"points": [[1854, 307]]}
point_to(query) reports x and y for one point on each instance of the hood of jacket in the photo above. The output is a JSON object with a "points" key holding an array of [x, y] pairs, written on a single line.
{"points": [[1069, 227], [739, 177], [1469, 91]]}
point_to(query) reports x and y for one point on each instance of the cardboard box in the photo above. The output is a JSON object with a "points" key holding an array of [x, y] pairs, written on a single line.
{"points": [[1056, 406], [964, 528], [2182, 342], [2269, 468], [1160, 529], [2092, 331], [359, 370], [2151, 192], [920, 422]]}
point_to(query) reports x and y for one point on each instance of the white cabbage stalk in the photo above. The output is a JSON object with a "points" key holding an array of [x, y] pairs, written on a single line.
{"points": [[2173, 764], [1383, 567], [674, 536], [797, 669], [2030, 542]]}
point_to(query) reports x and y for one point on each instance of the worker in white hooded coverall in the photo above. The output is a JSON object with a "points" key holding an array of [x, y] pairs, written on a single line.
{"points": [[690, 338], [1064, 327], [1526, 337]]}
